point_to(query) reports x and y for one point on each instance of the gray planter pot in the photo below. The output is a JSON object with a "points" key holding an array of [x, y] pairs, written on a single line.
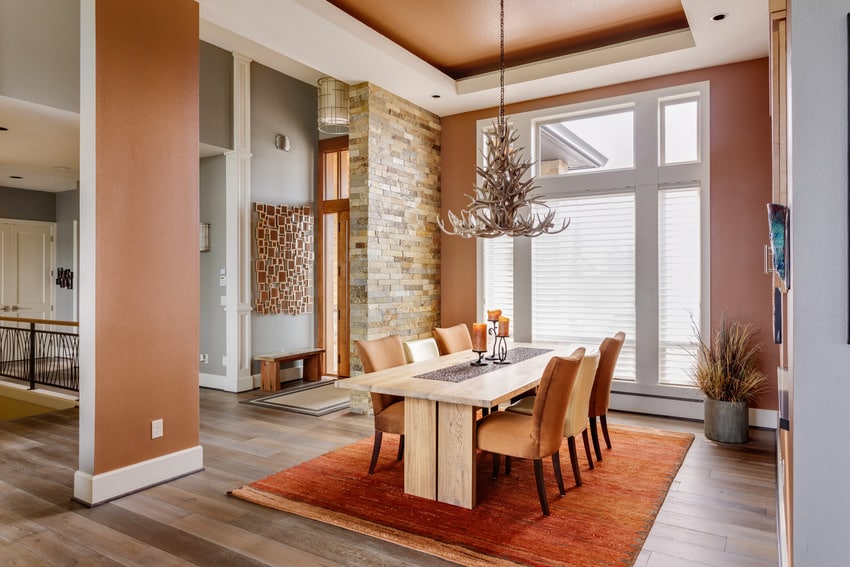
{"points": [[727, 422]]}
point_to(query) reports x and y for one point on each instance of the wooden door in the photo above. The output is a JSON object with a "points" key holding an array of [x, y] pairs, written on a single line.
{"points": [[26, 262]]}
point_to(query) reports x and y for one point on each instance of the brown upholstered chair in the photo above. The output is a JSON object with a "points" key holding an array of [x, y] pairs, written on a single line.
{"points": [[575, 420], [609, 352], [453, 339], [538, 435], [377, 355]]}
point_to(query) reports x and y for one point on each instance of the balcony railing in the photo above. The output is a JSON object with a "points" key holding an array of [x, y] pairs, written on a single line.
{"points": [[40, 355]]}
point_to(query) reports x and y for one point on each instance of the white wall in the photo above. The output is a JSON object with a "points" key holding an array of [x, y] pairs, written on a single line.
{"points": [[820, 356]]}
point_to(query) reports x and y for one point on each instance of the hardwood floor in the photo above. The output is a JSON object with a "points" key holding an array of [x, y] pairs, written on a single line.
{"points": [[719, 511]]}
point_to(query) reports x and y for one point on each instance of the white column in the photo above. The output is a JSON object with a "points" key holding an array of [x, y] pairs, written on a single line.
{"points": [[238, 234]]}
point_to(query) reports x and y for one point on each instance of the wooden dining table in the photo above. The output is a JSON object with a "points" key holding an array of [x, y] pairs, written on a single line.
{"points": [[440, 415]]}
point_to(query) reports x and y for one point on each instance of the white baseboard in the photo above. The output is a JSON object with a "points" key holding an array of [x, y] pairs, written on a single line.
{"points": [[286, 375], [243, 383], [682, 408], [97, 489]]}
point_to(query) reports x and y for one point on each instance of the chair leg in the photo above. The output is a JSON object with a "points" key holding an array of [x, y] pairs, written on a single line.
{"points": [[556, 464], [594, 434], [571, 443], [507, 465], [603, 419], [495, 474], [541, 491], [376, 448], [401, 448], [587, 449]]}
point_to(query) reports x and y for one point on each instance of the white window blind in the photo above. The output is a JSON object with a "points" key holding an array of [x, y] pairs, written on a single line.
{"points": [[583, 283], [678, 283], [499, 275]]}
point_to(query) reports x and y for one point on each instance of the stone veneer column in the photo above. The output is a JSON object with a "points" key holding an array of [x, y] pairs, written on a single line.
{"points": [[394, 149]]}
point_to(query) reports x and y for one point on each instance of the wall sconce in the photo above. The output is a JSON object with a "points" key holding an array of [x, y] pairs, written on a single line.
{"points": [[281, 142], [333, 106], [205, 237]]}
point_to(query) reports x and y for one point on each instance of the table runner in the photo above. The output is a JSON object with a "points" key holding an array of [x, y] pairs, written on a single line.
{"points": [[465, 370]]}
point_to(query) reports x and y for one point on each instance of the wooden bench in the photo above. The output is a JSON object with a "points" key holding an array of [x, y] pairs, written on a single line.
{"points": [[270, 366]]}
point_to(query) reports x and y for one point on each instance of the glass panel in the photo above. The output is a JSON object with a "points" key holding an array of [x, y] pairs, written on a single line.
{"points": [[681, 132], [588, 143], [583, 288], [331, 294], [678, 283], [343, 175], [331, 175]]}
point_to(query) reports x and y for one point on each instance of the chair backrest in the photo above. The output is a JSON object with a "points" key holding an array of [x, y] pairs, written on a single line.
{"points": [[609, 352], [576, 418], [421, 349], [453, 339], [379, 354], [550, 405]]}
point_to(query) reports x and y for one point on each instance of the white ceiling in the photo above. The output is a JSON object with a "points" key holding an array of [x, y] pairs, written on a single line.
{"points": [[307, 39]]}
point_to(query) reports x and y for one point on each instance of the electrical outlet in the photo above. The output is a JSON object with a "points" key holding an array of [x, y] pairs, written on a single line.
{"points": [[156, 429], [205, 359]]}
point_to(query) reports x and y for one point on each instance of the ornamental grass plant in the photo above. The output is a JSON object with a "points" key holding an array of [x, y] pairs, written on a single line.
{"points": [[727, 366]]}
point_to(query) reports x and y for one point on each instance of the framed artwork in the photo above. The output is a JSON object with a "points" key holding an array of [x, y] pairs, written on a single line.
{"points": [[777, 218]]}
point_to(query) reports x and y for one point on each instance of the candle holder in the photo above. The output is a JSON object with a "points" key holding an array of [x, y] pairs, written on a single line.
{"points": [[503, 349], [493, 332], [479, 362]]}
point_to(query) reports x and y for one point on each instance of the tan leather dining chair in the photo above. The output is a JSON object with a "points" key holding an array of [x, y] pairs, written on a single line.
{"points": [[575, 420], [421, 349], [600, 396], [375, 355], [453, 339], [538, 435]]}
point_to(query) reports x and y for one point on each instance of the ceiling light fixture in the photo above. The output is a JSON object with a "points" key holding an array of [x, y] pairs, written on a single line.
{"points": [[503, 205], [333, 106], [719, 17]]}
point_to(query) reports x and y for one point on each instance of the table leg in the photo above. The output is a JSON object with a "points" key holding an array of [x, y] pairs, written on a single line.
{"points": [[420, 447], [456, 454], [269, 375], [311, 368]]}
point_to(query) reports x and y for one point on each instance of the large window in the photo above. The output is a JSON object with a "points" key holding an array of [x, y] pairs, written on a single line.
{"points": [[630, 175]]}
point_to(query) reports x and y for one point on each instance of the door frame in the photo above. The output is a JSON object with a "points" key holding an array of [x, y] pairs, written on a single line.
{"points": [[52, 266]]}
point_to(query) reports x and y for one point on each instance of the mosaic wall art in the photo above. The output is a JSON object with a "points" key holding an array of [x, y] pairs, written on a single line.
{"points": [[283, 260]]}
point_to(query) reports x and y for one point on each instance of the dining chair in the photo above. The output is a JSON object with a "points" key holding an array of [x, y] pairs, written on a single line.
{"points": [[600, 396], [453, 339], [575, 420], [379, 354], [538, 435], [421, 349]]}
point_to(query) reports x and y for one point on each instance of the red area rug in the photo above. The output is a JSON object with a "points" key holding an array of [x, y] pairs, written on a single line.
{"points": [[603, 522]]}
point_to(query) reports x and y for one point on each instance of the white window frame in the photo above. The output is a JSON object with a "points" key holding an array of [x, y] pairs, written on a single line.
{"points": [[646, 179]]}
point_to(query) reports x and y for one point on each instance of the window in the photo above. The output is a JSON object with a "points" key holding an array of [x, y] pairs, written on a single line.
{"points": [[635, 255]]}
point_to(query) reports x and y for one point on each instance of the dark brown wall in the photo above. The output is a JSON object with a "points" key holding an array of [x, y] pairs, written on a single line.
{"points": [[739, 190]]}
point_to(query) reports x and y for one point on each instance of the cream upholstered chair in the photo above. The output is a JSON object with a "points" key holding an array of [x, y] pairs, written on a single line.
{"points": [[609, 353], [377, 355], [538, 435], [421, 349], [575, 421], [453, 339]]}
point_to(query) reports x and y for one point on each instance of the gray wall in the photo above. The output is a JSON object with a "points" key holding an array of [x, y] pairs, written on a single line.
{"points": [[216, 96], [27, 205], [282, 105], [212, 187], [48, 33], [820, 355], [67, 211]]}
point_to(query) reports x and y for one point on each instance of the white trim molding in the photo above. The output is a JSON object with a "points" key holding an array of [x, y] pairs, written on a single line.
{"points": [[92, 490]]}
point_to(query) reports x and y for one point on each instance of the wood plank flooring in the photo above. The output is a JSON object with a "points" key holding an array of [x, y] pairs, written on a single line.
{"points": [[720, 510]]}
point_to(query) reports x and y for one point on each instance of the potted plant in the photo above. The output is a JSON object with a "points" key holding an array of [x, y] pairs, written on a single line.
{"points": [[727, 372]]}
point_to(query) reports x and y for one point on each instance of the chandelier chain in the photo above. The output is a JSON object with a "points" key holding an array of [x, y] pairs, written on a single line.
{"points": [[502, 62]]}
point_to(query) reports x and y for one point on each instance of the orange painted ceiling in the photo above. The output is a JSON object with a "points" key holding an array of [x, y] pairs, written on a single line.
{"points": [[461, 37]]}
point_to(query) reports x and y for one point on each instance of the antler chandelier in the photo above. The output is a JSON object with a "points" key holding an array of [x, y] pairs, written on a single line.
{"points": [[503, 205]]}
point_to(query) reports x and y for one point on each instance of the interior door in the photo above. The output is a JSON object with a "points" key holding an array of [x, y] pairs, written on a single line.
{"points": [[26, 261]]}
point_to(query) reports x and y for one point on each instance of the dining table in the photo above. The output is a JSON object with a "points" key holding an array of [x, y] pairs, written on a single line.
{"points": [[441, 399]]}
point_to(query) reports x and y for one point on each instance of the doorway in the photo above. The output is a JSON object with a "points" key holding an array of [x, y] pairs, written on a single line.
{"points": [[332, 303], [26, 267]]}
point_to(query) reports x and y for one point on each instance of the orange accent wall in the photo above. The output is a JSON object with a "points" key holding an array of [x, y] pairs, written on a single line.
{"points": [[147, 262], [740, 188]]}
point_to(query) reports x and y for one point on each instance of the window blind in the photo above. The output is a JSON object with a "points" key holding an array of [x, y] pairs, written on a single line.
{"points": [[678, 283], [583, 283], [499, 275]]}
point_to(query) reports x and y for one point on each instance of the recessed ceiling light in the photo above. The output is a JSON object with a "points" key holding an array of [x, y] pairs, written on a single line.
{"points": [[15, 177], [435, 96], [3, 129], [719, 17]]}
